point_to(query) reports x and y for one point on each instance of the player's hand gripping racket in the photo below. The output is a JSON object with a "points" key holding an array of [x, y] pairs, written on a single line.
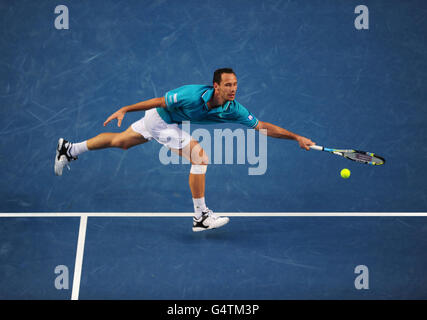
{"points": [[355, 155]]}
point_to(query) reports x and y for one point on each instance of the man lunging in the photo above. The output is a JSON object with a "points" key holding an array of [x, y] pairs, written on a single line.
{"points": [[195, 103]]}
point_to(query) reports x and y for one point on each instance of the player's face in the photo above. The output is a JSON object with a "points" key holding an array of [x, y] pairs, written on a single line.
{"points": [[228, 86]]}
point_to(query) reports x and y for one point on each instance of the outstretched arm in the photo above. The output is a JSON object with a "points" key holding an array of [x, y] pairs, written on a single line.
{"points": [[278, 132], [140, 106]]}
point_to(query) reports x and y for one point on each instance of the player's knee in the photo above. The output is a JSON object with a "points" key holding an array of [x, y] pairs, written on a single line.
{"points": [[199, 156], [121, 143], [202, 160]]}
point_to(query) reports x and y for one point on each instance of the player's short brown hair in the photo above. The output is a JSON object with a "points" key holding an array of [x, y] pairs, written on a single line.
{"points": [[218, 74]]}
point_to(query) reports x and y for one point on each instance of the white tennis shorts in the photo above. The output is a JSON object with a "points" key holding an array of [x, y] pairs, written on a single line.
{"points": [[153, 126]]}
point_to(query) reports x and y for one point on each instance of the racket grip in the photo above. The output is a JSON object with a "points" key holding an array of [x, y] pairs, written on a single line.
{"points": [[318, 148]]}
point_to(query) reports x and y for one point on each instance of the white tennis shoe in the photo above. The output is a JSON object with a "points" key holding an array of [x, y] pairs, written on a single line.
{"points": [[209, 220], [63, 157]]}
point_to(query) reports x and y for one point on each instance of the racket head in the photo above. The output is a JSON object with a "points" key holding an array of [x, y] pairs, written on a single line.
{"points": [[364, 157]]}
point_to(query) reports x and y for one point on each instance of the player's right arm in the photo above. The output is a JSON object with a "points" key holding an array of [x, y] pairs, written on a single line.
{"points": [[140, 106]]}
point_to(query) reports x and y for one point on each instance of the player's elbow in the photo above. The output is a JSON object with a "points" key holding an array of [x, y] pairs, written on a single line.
{"points": [[263, 127], [259, 126]]}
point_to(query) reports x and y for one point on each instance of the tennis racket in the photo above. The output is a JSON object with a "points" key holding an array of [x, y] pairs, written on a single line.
{"points": [[355, 155]]}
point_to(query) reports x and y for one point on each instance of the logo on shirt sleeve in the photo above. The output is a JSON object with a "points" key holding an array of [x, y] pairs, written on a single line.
{"points": [[250, 117], [173, 98]]}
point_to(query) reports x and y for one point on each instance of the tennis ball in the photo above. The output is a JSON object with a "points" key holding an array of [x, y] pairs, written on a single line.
{"points": [[345, 173]]}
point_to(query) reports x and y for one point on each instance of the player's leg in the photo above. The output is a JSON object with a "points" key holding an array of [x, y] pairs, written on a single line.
{"points": [[194, 153], [124, 140], [67, 151], [179, 141], [203, 218]]}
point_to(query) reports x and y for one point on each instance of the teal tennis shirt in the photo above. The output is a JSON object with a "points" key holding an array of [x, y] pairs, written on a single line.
{"points": [[189, 103]]}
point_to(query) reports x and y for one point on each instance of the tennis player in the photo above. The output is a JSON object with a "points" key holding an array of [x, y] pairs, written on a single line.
{"points": [[194, 103]]}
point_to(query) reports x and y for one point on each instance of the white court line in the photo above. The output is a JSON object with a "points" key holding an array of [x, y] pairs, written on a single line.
{"points": [[229, 214], [79, 258]]}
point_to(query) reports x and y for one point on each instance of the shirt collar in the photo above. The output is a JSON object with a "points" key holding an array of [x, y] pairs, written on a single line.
{"points": [[207, 95]]}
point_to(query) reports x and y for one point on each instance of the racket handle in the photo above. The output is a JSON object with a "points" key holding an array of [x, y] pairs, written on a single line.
{"points": [[318, 148]]}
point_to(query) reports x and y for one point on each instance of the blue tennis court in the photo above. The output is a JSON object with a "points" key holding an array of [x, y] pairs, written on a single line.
{"points": [[263, 257], [122, 219]]}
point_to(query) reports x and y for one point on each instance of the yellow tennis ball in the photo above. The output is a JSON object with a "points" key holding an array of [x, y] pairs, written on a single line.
{"points": [[345, 173]]}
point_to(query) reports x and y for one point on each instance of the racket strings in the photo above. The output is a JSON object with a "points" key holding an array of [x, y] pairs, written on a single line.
{"points": [[364, 157]]}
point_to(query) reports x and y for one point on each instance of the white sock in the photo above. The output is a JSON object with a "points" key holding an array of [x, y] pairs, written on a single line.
{"points": [[78, 148], [199, 207]]}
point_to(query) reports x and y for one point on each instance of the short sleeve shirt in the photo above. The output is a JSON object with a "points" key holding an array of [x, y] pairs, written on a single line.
{"points": [[189, 103]]}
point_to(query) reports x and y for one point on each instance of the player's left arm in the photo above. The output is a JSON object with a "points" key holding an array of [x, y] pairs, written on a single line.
{"points": [[278, 132]]}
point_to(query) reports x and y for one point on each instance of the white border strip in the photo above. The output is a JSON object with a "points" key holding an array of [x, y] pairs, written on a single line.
{"points": [[229, 214], [79, 258]]}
